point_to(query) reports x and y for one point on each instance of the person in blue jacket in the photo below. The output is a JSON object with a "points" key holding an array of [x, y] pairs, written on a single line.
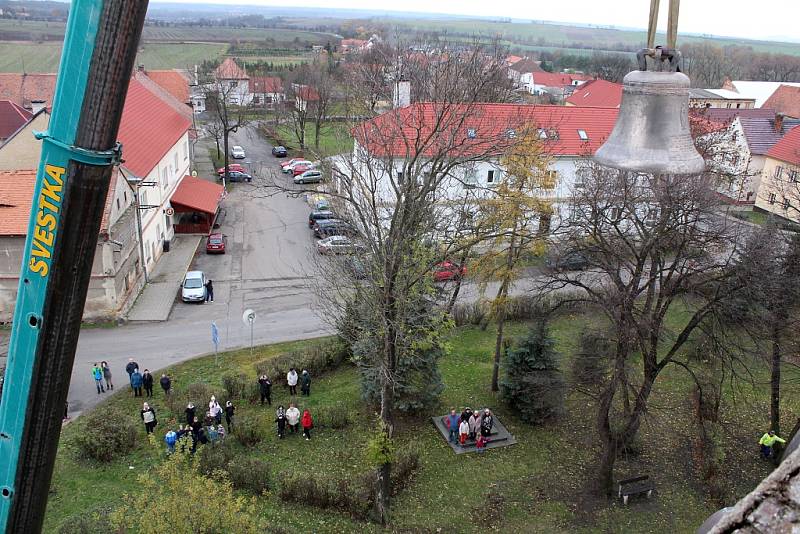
{"points": [[452, 422], [136, 383]]}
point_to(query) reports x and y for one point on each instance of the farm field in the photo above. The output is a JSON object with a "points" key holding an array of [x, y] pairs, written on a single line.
{"points": [[44, 57]]}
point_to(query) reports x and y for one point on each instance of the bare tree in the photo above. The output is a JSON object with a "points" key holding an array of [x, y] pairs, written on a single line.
{"points": [[654, 243], [296, 111], [611, 67]]}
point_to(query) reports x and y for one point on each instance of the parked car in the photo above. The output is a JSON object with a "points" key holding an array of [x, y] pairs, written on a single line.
{"points": [[237, 152], [447, 270], [193, 287], [311, 176], [239, 177], [328, 227], [299, 169], [232, 167], [290, 167], [322, 204], [283, 164], [215, 244], [337, 244], [319, 215], [279, 151], [567, 261]]}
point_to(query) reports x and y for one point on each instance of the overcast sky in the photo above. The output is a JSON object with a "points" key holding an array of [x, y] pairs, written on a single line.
{"points": [[764, 19]]}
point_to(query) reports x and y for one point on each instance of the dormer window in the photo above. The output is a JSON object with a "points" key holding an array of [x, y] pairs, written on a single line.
{"points": [[471, 133], [542, 133], [511, 133], [583, 135]]}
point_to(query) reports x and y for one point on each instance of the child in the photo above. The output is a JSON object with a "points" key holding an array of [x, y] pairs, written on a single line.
{"points": [[281, 420], [480, 443], [221, 432], [308, 424], [463, 432], [171, 437]]}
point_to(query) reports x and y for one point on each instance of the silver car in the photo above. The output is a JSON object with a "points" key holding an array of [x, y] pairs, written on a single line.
{"points": [[312, 176], [237, 152], [193, 287]]}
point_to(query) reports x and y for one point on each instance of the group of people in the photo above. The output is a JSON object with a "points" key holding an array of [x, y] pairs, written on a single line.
{"points": [[102, 373], [209, 430], [292, 418], [475, 426], [292, 378]]}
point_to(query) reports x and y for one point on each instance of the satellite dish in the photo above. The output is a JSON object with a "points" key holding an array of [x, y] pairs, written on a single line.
{"points": [[249, 317]]}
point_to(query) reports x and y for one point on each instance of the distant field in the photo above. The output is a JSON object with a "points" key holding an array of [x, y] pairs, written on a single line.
{"points": [[44, 57], [276, 60]]}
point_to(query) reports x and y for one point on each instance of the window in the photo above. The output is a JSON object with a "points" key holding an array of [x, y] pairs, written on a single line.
{"points": [[185, 150], [793, 176], [399, 175], [511, 133], [580, 177], [471, 177], [232, 83], [582, 134], [616, 214], [165, 172], [175, 161], [785, 203], [471, 133], [772, 198], [492, 177], [125, 197], [778, 171], [545, 222], [652, 217], [541, 133], [143, 198]]}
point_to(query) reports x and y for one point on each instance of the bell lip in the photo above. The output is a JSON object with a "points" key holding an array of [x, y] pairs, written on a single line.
{"points": [[690, 166]]}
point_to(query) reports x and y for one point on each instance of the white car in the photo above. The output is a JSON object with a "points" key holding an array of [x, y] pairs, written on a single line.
{"points": [[309, 177], [237, 152], [338, 244], [289, 168], [193, 287]]}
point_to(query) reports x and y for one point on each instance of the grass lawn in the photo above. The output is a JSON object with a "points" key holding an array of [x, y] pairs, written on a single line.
{"points": [[334, 139], [534, 486]]}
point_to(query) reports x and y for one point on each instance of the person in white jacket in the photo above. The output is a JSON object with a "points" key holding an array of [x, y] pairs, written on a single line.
{"points": [[215, 409], [463, 432], [293, 417], [291, 381]]}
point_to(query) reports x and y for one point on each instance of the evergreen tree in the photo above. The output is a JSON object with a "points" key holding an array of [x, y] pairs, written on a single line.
{"points": [[533, 385]]}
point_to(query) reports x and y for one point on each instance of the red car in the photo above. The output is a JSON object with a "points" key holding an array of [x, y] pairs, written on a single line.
{"points": [[447, 270], [300, 169], [289, 161], [232, 167], [215, 244]]}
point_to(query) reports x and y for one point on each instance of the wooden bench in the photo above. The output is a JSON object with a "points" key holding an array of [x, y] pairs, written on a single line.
{"points": [[635, 486]]}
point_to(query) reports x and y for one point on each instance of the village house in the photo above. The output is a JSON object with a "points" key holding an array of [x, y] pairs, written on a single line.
{"points": [[786, 100], [303, 96], [266, 91], [30, 91], [233, 81], [780, 178], [155, 139], [603, 93], [760, 92]]}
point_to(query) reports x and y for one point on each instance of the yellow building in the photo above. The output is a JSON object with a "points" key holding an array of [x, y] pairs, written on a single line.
{"points": [[780, 179]]}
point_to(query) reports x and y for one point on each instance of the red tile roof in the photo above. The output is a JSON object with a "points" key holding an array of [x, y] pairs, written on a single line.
{"points": [[12, 118], [198, 194], [16, 197], [556, 79], [353, 42], [265, 84], [229, 70], [597, 93], [173, 81], [526, 65], [786, 100], [788, 148], [149, 129], [307, 93], [482, 128], [510, 60], [22, 89]]}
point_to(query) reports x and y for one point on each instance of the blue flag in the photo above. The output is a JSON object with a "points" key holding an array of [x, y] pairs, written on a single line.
{"points": [[214, 334]]}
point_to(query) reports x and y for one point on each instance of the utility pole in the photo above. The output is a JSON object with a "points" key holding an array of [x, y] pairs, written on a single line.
{"points": [[78, 153]]}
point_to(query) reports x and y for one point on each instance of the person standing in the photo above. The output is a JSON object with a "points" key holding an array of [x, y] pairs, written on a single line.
{"points": [[229, 411], [305, 383], [293, 418], [130, 368], [463, 431], [97, 374], [487, 422], [280, 418], [308, 424], [149, 417], [136, 383], [265, 388], [452, 422], [171, 438], [166, 383], [215, 410], [209, 291], [474, 424], [147, 382], [189, 414], [767, 443], [291, 381], [107, 375]]}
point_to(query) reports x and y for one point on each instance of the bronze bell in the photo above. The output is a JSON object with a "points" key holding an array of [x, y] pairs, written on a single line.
{"points": [[652, 130]]}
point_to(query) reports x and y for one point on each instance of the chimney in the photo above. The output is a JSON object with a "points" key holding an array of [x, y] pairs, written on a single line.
{"points": [[402, 94], [779, 122], [37, 106]]}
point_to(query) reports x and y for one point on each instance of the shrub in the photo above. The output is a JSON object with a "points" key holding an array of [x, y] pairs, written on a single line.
{"points": [[590, 363], [235, 385], [533, 385], [198, 393], [470, 313], [88, 522], [250, 474], [107, 435], [317, 359], [335, 417], [249, 431], [210, 459]]}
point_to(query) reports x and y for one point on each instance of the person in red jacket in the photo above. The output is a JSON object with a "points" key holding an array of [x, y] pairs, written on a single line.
{"points": [[307, 423]]}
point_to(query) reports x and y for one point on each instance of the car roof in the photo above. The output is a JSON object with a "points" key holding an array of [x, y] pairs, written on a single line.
{"points": [[218, 234], [329, 222], [321, 212], [312, 171], [194, 274]]}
